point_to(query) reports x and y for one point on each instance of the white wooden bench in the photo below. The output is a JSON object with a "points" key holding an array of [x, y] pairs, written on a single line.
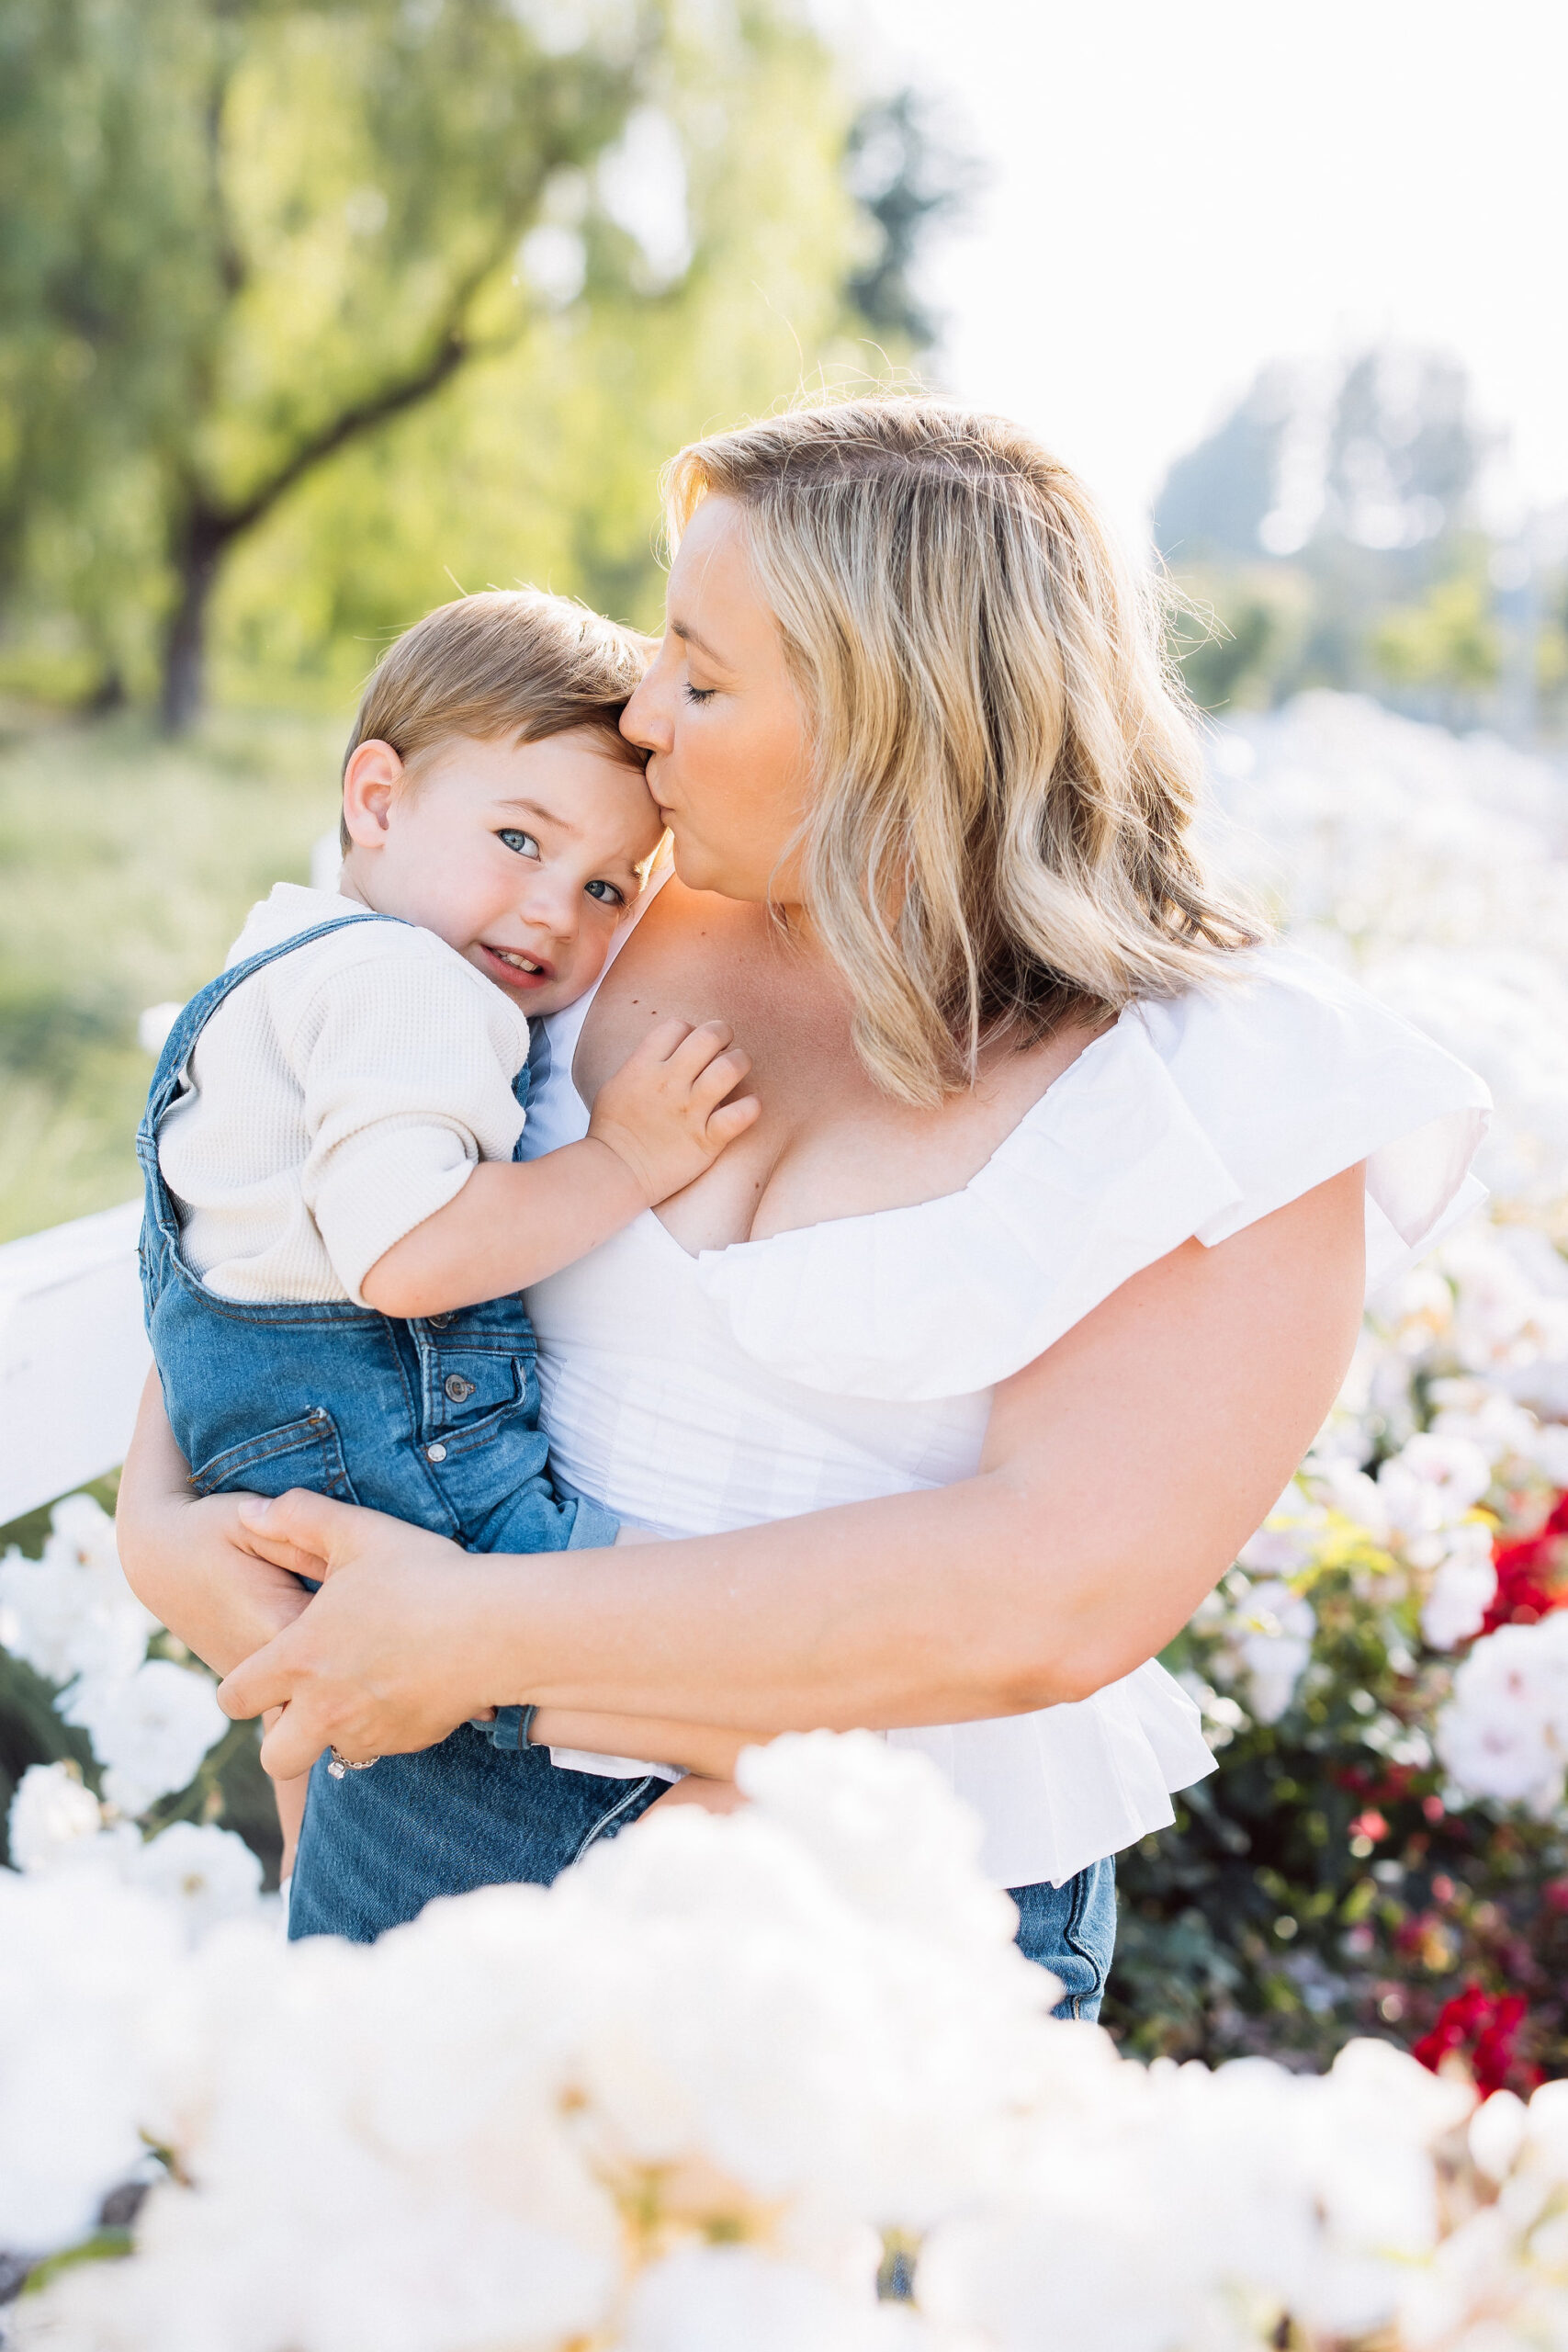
{"points": [[72, 1355]]}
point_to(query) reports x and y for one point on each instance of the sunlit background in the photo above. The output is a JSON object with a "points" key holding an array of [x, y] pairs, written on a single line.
{"points": [[316, 312], [311, 315]]}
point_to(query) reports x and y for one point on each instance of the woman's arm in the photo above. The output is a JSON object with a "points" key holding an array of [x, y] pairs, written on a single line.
{"points": [[191, 1563], [1122, 1473]]}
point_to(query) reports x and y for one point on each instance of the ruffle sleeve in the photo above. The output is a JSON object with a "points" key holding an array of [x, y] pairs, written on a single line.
{"points": [[1192, 1117]]}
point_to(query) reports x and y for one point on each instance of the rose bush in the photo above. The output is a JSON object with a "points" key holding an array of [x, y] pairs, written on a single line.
{"points": [[1384, 1673]]}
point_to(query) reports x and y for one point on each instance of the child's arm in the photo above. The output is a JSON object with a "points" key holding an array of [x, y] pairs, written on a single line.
{"points": [[656, 1124], [289, 1798], [707, 1750]]}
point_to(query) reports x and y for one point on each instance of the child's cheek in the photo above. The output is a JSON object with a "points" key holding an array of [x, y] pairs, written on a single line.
{"points": [[587, 963]]}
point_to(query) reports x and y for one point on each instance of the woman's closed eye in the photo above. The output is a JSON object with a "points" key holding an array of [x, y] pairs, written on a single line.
{"points": [[524, 843], [699, 694]]}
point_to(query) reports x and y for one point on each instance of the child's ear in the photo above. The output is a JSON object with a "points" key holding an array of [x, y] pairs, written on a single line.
{"points": [[371, 782]]}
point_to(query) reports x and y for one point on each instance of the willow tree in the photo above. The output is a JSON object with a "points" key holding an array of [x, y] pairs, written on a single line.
{"points": [[242, 238]]}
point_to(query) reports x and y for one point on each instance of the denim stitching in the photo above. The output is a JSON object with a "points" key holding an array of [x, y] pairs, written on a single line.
{"points": [[637, 1789], [291, 1437], [1074, 1942]]}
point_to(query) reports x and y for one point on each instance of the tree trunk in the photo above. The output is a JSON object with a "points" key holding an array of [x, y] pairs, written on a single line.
{"points": [[199, 552]]}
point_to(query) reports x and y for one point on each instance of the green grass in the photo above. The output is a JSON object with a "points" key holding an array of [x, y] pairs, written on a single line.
{"points": [[126, 865]]}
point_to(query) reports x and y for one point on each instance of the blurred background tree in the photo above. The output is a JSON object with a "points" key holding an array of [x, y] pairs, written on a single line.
{"points": [[1330, 532], [312, 312], [309, 308]]}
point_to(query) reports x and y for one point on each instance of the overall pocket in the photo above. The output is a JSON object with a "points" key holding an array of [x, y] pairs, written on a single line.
{"points": [[476, 1384], [305, 1452]]}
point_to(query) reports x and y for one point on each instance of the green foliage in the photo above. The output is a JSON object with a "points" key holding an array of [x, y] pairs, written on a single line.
{"points": [[126, 867], [542, 464], [271, 263], [1233, 630], [1450, 638], [907, 180]]}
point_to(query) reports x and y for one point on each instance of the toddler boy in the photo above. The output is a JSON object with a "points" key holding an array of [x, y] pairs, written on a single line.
{"points": [[337, 1223]]}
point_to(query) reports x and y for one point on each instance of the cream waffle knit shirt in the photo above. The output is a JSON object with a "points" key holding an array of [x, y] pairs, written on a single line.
{"points": [[334, 1101]]}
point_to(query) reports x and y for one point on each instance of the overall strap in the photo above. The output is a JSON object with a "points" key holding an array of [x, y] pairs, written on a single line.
{"points": [[534, 1072], [194, 1017]]}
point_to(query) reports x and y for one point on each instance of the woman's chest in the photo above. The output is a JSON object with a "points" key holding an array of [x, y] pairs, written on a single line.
{"points": [[828, 1143]]}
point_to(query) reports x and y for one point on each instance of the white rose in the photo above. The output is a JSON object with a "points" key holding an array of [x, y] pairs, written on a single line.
{"points": [[206, 1872], [1462, 1588], [72, 1611], [83, 1967], [150, 1729], [51, 1816], [1504, 1732], [720, 2298]]}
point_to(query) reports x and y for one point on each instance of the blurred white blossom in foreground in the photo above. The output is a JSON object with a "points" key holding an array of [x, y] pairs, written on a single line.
{"points": [[73, 1618], [1434, 868], [681, 2102]]}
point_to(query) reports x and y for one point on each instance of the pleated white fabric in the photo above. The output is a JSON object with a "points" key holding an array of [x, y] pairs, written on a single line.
{"points": [[856, 1358]]}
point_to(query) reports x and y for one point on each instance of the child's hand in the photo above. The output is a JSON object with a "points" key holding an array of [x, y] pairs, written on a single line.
{"points": [[663, 1113]]}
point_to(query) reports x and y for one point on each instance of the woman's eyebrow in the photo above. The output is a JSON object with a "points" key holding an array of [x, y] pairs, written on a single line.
{"points": [[689, 636]]}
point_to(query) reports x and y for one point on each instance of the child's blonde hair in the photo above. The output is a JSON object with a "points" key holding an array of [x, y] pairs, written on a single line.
{"points": [[513, 661], [1006, 772]]}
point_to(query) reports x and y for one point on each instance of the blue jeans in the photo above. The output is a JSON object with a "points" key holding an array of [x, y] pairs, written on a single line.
{"points": [[377, 1846]]}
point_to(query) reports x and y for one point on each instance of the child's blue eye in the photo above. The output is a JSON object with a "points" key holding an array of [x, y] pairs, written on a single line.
{"points": [[524, 843], [606, 893]]}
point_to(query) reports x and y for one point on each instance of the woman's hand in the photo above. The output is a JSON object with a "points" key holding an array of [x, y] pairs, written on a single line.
{"points": [[398, 1649], [389, 1657], [192, 1563]]}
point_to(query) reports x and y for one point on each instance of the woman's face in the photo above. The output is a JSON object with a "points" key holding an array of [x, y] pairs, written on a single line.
{"points": [[719, 714]]}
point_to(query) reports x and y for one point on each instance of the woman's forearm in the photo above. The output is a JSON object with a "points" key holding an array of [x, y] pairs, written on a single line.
{"points": [[861, 1632]]}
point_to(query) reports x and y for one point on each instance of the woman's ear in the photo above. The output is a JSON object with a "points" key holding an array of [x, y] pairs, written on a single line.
{"points": [[371, 782]]}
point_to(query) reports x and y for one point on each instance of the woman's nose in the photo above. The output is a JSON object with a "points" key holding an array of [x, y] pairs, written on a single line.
{"points": [[645, 720]]}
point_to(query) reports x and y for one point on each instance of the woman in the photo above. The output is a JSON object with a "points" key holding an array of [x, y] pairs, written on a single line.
{"points": [[960, 1379]]}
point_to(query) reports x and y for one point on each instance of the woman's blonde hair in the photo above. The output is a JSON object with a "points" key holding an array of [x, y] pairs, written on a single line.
{"points": [[1005, 771]]}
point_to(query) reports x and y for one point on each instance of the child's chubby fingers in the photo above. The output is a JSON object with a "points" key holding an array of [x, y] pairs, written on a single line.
{"points": [[732, 1119], [722, 1076], [698, 1049], [662, 1041]]}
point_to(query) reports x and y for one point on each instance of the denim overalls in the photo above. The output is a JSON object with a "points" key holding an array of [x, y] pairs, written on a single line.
{"points": [[435, 1420]]}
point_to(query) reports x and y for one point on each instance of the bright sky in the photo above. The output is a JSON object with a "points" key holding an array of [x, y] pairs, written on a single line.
{"points": [[1178, 193]]}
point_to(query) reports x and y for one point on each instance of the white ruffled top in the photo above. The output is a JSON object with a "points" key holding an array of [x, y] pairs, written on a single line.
{"points": [[856, 1358]]}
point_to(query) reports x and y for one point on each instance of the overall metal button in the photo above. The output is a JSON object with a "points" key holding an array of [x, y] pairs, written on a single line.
{"points": [[457, 1388], [435, 1454]]}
